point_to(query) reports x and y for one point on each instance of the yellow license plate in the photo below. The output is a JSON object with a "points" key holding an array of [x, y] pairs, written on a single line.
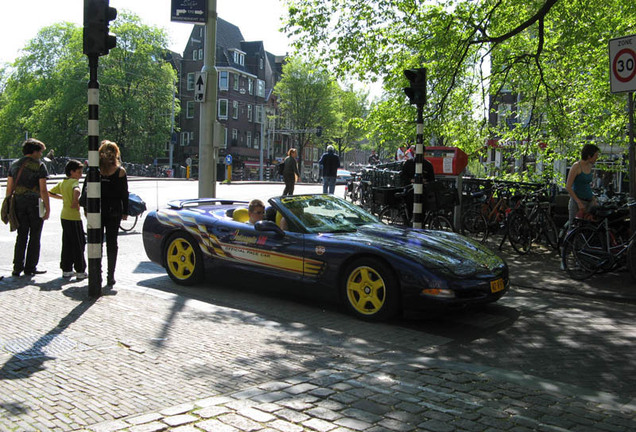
{"points": [[497, 285]]}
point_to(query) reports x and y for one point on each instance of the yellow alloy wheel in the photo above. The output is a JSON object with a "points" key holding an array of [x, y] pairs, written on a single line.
{"points": [[183, 259]]}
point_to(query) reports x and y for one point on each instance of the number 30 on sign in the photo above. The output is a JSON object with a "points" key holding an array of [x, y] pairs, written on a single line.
{"points": [[623, 64]]}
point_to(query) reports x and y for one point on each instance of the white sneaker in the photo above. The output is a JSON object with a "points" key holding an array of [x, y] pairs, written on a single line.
{"points": [[67, 275], [81, 276]]}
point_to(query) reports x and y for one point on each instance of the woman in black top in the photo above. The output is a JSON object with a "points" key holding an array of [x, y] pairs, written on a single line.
{"points": [[114, 186], [290, 172]]}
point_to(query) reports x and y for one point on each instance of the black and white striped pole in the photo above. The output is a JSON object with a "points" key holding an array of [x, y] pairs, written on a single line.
{"points": [[93, 186], [97, 42], [417, 96]]}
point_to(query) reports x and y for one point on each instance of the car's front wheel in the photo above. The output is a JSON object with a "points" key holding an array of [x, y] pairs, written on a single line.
{"points": [[183, 259], [370, 290]]}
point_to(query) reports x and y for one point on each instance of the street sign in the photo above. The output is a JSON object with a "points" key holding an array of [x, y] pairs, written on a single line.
{"points": [[228, 159], [200, 79], [190, 11], [622, 56]]}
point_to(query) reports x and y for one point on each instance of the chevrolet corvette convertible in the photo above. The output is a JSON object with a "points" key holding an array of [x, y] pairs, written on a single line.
{"points": [[330, 246]]}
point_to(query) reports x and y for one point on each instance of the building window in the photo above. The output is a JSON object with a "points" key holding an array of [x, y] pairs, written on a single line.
{"points": [[257, 141], [234, 137], [260, 63], [224, 137], [260, 91], [249, 113], [237, 78], [222, 109], [250, 86], [185, 138], [194, 54], [223, 80], [190, 109], [191, 81], [239, 58], [200, 53], [259, 114], [249, 139], [235, 109]]}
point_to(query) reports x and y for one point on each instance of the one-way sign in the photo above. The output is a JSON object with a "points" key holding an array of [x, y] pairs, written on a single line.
{"points": [[200, 79], [191, 11]]}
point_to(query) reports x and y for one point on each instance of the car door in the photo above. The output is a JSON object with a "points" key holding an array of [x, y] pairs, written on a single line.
{"points": [[265, 252]]}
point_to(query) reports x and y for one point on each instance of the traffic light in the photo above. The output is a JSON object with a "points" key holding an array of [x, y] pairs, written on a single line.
{"points": [[417, 91], [97, 16]]}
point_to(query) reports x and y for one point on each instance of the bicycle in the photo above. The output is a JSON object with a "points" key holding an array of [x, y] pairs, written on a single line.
{"points": [[593, 247], [496, 210], [396, 212]]}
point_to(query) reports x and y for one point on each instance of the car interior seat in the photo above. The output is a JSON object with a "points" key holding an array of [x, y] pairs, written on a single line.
{"points": [[241, 215], [270, 214]]}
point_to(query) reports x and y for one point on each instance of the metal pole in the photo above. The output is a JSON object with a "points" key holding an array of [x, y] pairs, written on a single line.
{"points": [[262, 141], [93, 186], [174, 96], [207, 151], [632, 161], [418, 182]]}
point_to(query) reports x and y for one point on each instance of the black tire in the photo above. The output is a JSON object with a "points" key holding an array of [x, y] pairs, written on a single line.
{"points": [[631, 259], [393, 216], [474, 225], [440, 223], [578, 257], [128, 224], [370, 290], [183, 259], [551, 234], [519, 232]]}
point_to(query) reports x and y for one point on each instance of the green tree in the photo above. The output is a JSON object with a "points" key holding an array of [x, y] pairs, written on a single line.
{"points": [[551, 52], [45, 92], [306, 93], [350, 112]]}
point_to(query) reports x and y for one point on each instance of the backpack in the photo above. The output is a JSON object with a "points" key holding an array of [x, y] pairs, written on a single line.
{"points": [[281, 168]]}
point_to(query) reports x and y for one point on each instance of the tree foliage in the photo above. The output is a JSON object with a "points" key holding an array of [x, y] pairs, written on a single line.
{"points": [[44, 92], [306, 93], [553, 53]]}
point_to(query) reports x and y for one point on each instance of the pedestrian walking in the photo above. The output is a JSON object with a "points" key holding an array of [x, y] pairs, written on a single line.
{"points": [[400, 154], [27, 178], [329, 163], [114, 187], [579, 183], [73, 236], [290, 172]]}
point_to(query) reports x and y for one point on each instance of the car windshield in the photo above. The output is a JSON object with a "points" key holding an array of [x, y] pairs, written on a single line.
{"points": [[326, 213]]}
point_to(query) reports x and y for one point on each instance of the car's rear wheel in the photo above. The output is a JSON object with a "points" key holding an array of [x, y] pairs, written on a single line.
{"points": [[183, 259], [370, 290]]}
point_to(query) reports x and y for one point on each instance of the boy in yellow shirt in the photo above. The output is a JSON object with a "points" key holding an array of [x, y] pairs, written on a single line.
{"points": [[73, 237]]}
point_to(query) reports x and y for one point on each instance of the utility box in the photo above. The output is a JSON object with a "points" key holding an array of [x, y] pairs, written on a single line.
{"points": [[446, 160]]}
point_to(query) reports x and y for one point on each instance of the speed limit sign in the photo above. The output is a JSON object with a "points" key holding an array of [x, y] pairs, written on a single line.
{"points": [[622, 53]]}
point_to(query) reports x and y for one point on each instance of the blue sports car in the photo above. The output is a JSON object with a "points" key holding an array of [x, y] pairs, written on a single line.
{"points": [[330, 246]]}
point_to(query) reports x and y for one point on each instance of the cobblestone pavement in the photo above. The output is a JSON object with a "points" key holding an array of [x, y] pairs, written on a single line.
{"points": [[151, 356]]}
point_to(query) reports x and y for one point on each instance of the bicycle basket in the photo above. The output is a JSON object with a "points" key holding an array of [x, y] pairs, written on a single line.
{"points": [[136, 205], [386, 195]]}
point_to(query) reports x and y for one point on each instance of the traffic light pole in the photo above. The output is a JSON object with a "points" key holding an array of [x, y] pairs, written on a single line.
{"points": [[418, 181], [93, 186]]}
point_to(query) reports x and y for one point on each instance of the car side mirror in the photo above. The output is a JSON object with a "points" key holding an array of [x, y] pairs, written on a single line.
{"points": [[265, 225]]}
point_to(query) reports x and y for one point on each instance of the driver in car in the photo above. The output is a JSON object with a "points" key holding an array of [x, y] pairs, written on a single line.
{"points": [[255, 210]]}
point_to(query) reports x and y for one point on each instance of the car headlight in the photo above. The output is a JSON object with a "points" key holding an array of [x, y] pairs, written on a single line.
{"points": [[437, 288]]}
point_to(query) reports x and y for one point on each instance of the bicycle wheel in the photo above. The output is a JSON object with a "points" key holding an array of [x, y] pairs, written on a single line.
{"points": [[519, 232], [393, 216], [128, 224], [631, 259], [440, 223], [474, 225], [582, 253]]}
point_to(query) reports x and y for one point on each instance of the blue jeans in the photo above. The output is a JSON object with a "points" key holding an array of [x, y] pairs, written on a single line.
{"points": [[328, 185]]}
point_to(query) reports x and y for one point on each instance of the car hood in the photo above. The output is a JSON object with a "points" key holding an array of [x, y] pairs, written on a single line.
{"points": [[450, 252]]}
